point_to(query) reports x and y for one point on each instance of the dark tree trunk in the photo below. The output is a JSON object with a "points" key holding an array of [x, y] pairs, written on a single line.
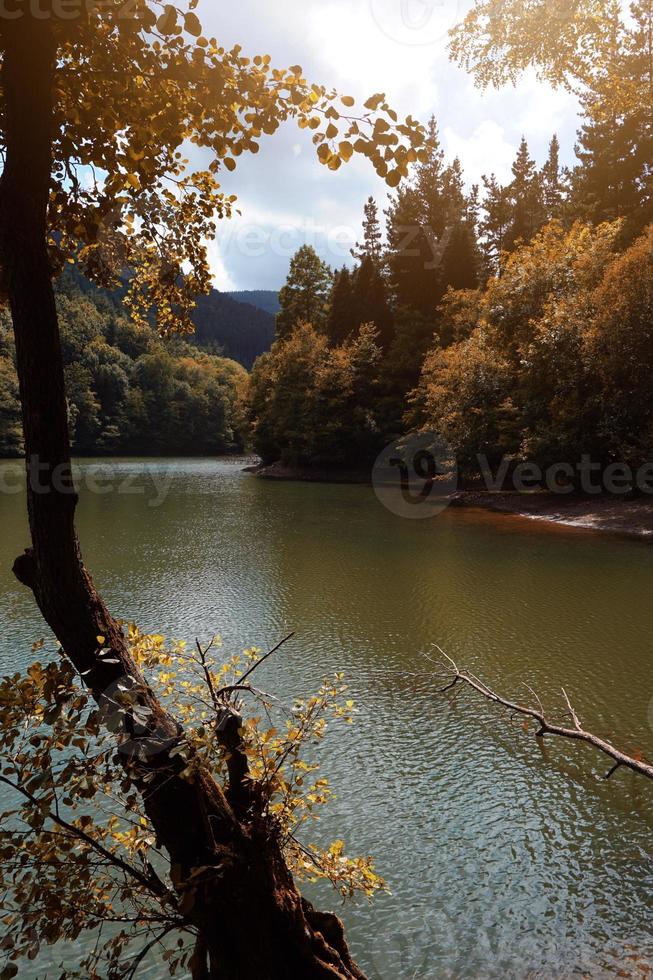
{"points": [[251, 919]]}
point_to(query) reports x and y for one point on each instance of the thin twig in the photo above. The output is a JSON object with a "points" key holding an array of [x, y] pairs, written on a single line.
{"points": [[248, 673], [152, 885]]}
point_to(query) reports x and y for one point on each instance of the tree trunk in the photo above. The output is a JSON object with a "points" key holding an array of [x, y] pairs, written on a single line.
{"points": [[251, 919]]}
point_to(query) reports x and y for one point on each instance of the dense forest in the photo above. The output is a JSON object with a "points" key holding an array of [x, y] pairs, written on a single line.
{"points": [[238, 328], [129, 392], [513, 320]]}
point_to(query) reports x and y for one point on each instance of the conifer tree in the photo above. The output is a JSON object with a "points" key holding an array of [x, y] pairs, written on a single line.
{"points": [[454, 199], [615, 144], [639, 74], [429, 178], [552, 183], [526, 198], [416, 224], [304, 298], [370, 302], [371, 246], [460, 261], [494, 225], [341, 318], [410, 256]]}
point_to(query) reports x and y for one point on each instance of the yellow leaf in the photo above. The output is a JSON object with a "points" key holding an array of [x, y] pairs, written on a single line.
{"points": [[168, 20], [346, 150], [192, 25], [393, 179]]}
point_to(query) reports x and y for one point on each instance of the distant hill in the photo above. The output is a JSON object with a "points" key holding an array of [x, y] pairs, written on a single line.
{"points": [[265, 299], [239, 329]]}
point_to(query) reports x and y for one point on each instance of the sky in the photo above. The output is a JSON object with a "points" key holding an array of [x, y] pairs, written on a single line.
{"points": [[361, 47]]}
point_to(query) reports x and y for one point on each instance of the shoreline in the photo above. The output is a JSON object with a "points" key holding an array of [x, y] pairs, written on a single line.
{"points": [[296, 474], [630, 516]]}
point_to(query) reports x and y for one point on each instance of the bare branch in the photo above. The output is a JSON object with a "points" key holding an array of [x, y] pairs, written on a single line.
{"points": [[207, 673], [574, 716], [248, 673], [577, 733]]}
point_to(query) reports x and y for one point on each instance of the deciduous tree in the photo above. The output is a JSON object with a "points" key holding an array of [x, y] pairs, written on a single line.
{"points": [[98, 112]]}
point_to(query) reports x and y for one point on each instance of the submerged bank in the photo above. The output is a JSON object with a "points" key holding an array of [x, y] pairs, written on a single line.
{"points": [[619, 515], [602, 512]]}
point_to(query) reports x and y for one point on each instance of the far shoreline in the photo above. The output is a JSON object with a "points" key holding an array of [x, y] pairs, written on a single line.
{"points": [[608, 513]]}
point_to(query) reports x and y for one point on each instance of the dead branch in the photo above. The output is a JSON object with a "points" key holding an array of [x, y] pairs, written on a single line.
{"points": [[546, 727]]}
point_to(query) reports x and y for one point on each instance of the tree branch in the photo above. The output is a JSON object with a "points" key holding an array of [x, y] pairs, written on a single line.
{"points": [[577, 733], [152, 884]]}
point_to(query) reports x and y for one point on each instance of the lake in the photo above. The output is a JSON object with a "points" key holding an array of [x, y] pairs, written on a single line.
{"points": [[504, 860]]}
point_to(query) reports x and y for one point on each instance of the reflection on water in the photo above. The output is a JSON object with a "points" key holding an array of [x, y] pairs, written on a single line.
{"points": [[504, 860]]}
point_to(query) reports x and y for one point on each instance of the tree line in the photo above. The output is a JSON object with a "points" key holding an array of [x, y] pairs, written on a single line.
{"points": [[513, 319], [128, 391]]}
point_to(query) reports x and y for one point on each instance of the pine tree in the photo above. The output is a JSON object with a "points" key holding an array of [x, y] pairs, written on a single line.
{"points": [[410, 256], [415, 226], [605, 183], [638, 73], [371, 246], [429, 179], [454, 199], [473, 208], [460, 261], [526, 197], [495, 223], [341, 318], [551, 178], [304, 298], [459, 268], [370, 302]]}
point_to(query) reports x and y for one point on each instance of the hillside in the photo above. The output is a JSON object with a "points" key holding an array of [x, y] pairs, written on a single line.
{"points": [[129, 392], [264, 299], [238, 329], [242, 331]]}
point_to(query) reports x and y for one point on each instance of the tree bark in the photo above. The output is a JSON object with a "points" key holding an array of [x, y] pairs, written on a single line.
{"points": [[251, 919]]}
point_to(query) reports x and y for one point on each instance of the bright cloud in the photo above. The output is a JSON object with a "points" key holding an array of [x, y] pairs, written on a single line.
{"points": [[362, 47]]}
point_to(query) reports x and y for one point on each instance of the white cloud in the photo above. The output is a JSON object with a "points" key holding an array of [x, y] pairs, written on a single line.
{"points": [[486, 150], [361, 47]]}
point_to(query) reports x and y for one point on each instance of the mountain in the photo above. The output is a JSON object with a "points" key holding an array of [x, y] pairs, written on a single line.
{"points": [[239, 330], [129, 392], [242, 331], [264, 299]]}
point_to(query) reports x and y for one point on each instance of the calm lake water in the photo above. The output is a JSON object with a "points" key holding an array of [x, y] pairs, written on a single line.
{"points": [[504, 861]]}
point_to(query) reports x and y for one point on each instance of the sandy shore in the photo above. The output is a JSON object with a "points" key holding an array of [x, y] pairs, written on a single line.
{"points": [[619, 515]]}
